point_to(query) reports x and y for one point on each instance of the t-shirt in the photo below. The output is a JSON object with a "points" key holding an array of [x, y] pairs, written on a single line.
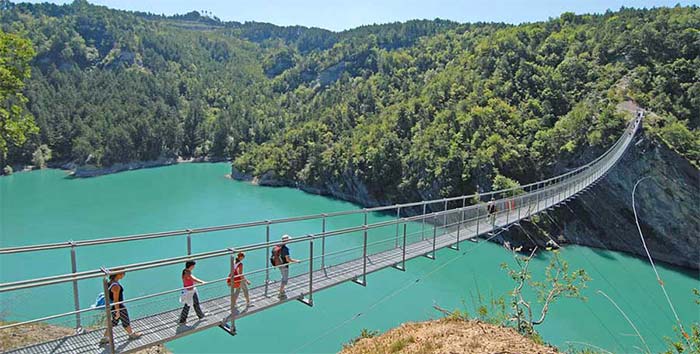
{"points": [[284, 252], [187, 280], [111, 296], [237, 275]]}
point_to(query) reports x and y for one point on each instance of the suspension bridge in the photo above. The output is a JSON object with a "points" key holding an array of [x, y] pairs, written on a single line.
{"points": [[414, 230]]}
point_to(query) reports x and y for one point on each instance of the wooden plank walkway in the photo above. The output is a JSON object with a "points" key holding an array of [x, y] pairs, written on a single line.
{"points": [[163, 327]]}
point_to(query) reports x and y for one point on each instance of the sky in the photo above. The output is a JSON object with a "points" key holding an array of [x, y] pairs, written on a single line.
{"points": [[338, 15]]}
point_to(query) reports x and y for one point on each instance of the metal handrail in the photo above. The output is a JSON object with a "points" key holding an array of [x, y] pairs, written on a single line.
{"points": [[23, 284]]}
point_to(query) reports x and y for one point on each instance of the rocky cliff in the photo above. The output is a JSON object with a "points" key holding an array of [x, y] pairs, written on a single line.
{"points": [[667, 205]]}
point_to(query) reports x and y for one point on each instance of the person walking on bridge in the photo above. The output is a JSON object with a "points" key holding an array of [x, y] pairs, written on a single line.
{"points": [[189, 295], [280, 259], [240, 282], [118, 309], [491, 209]]}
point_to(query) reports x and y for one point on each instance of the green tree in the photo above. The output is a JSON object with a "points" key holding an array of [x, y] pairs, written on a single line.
{"points": [[559, 283], [16, 124], [41, 156]]}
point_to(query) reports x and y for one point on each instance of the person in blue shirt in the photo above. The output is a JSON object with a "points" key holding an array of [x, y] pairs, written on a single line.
{"points": [[281, 259]]}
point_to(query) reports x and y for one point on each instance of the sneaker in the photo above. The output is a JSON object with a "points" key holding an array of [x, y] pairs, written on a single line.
{"points": [[135, 335], [205, 315], [104, 341], [282, 295]]}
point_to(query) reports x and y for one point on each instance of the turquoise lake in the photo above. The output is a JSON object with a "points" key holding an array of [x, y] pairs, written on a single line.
{"points": [[46, 206]]}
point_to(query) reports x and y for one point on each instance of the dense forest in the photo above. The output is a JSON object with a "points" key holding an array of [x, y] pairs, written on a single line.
{"points": [[410, 110]]}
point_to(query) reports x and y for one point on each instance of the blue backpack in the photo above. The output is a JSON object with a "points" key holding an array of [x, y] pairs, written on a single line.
{"points": [[99, 302]]}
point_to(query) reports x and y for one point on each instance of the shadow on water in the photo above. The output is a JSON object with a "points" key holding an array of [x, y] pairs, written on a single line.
{"points": [[603, 253], [619, 256]]}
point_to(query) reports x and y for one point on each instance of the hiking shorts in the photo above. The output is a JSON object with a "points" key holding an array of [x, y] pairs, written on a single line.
{"points": [[237, 291], [285, 274], [123, 316]]}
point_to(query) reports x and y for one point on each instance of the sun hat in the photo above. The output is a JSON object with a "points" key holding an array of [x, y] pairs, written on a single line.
{"points": [[286, 237]]}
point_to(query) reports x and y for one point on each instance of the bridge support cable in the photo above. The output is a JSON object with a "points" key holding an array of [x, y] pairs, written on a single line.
{"points": [[686, 337]]}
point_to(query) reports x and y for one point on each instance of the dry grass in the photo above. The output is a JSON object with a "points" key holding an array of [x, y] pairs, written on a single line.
{"points": [[447, 336]]}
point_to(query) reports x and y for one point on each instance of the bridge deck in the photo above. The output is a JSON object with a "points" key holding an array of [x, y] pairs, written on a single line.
{"points": [[162, 327]]}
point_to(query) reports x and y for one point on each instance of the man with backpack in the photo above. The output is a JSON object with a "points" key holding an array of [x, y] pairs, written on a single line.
{"points": [[280, 258]]}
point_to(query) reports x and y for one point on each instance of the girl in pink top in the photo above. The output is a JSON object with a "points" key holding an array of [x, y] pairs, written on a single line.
{"points": [[189, 295]]}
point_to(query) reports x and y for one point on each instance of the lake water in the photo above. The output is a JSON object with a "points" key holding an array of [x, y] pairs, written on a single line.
{"points": [[45, 206]]}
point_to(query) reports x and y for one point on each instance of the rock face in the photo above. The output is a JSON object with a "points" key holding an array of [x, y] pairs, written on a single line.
{"points": [[352, 189], [667, 207], [92, 171]]}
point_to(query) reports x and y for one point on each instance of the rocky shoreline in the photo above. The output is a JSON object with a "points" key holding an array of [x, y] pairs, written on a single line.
{"points": [[359, 194], [85, 171]]}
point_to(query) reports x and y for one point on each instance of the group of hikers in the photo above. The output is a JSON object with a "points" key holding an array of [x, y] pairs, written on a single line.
{"points": [[280, 258]]}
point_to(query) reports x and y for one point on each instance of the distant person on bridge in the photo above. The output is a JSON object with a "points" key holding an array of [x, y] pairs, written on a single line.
{"points": [[189, 295], [119, 312], [491, 209], [280, 258]]}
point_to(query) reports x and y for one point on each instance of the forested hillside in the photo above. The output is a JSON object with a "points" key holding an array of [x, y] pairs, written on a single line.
{"points": [[404, 110]]}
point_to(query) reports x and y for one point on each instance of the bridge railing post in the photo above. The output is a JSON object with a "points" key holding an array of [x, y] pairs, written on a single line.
{"points": [[403, 251], [323, 242], [403, 256], [267, 252], [507, 210], [434, 235], [570, 189], [364, 254], [232, 300], [550, 191], [363, 282], [422, 237], [108, 312], [560, 192], [444, 219], [478, 218], [460, 222], [76, 298], [310, 301], [189, 242], [398, 217]]}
